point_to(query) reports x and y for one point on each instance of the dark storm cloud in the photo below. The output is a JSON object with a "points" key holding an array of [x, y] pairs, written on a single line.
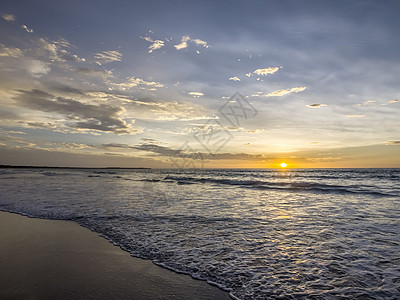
{"points": [[87, 116]]}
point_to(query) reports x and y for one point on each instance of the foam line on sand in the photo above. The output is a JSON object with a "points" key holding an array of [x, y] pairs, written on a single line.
{"points": [[47, 259]]}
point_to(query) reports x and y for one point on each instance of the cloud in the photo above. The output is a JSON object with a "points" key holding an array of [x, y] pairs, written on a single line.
{"points": [[148, 140], [196, 94], [184, 43], [316, 105], [171, 152], [71, 146], [134, 82], [62, 43], [392, 143], [64, 55], [7, 113], [8, 17], [50, 48], [37, 68], [148, 147], [107, 56], [390, 102], [95, 72], [356, 116], [324, 159], [41, 125], [117, 146], [65, 89], [10, 52], [37, 60], [281, 93], [234, 78], [200, 43], [78, 115], [155, 44], [52, 51], [369, 102], [27, 29], [170, 110], [55, 52], [266, 71]]}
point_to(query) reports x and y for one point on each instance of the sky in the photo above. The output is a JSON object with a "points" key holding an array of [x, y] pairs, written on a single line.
{"points": [[213, 84]]}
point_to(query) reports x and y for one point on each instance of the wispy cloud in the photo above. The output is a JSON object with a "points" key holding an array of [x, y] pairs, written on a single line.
{"points": [[184, 43], [172, 152], [49, 47], [95, 72], [146, 147], [64, 55], [10, 52], [107, 56], [37, 68], [266, 71], [49, 51], [8, 17], [196, 94], [155, 44], [324, 159], [134, 82], [392, 143], [356, 116], [27, 29], [168, 110], [369, 102], [234, 78], [281, 93], [316, 105], [390, 102], [62, 43]]}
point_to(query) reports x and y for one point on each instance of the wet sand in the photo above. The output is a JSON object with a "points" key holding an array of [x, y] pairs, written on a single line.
{"points": [[45, 259]]}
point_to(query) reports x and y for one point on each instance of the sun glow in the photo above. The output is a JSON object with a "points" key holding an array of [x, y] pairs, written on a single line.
{"points": [[283, 165]]}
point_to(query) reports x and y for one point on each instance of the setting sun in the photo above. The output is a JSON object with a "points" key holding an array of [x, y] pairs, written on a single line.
{"points": [[283, 165]]}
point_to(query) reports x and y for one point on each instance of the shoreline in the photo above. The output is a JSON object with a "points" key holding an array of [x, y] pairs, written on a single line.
{"points": [[61, 259]]}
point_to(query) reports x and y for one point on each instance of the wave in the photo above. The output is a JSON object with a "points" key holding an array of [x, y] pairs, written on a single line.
{"points": [[283, 186]]}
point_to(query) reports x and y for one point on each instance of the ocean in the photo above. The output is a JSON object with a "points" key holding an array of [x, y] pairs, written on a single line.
{"points": [[257, 233]]}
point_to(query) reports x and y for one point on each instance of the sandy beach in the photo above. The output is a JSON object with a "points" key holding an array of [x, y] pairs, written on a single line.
{"points": [[46, 259]]}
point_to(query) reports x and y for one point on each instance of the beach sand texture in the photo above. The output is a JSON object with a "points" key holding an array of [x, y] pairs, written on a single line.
{"points": [[46, 259]]}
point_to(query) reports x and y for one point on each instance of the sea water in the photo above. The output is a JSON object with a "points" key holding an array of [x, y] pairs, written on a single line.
{"points": [[259, 233]]}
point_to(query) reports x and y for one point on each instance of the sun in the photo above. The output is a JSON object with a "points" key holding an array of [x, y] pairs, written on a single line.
{"points": [[283, 165]]}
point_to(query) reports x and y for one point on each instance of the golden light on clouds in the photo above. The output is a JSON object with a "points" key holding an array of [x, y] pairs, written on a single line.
{"points": [[100, 85]]}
